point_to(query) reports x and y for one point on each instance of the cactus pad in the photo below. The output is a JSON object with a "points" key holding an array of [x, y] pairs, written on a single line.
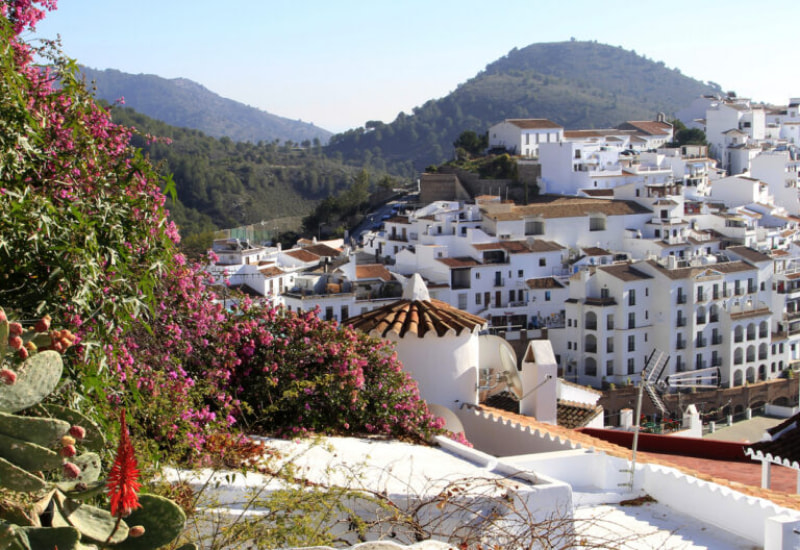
{"points": [[162, 519], [29, 456], [42, 431], [15, 478], [36, 378], [93, 523]]}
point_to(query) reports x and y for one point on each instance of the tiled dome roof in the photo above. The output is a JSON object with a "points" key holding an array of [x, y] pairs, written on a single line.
{"points": [[416, 317]]}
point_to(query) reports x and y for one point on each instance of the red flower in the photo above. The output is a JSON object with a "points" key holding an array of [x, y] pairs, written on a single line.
{"points": [[123, 478]]}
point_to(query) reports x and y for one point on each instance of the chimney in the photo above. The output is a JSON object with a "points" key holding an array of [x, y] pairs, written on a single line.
{"points": [[539, 382]]}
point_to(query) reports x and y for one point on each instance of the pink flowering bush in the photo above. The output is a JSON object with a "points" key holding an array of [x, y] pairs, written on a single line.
{"points": [[84, 236]]}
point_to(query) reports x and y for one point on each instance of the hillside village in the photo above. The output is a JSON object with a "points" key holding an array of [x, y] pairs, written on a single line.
{"points": [[621, 217]]}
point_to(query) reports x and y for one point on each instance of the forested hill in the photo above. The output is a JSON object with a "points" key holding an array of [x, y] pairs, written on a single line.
{"points": [[222, 184], [576, 84], [184, 103]]}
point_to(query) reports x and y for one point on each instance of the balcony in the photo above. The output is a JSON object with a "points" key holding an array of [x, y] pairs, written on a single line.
{"points": [[681, 322], [681, 299], [681, 344], [716, 340], [602, 302], [701, 342]]}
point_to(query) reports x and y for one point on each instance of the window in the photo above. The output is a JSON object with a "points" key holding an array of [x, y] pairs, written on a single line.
{"points": [[610, 322], [462, 301], [632, 297], [345, 313], [604, 293], [477, 299], [534, 227], [632, 319], [631, 343], [597, 223], [546, 295], [609, 345], [519, 273], [609, 368], [477, 275], [328, 313], [542, 262], [631, 365]]}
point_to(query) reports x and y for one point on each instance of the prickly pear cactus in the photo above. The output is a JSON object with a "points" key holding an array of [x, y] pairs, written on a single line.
{"points": [[39, 456]]}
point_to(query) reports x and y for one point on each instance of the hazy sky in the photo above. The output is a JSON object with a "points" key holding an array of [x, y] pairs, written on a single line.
{"points": [[341, 63]]}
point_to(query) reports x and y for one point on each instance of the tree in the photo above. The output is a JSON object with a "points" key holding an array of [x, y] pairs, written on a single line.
{"points": [[472, 143]]}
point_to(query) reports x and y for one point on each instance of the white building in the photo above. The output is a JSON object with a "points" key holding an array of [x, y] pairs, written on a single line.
{"points": [[522, 136]]}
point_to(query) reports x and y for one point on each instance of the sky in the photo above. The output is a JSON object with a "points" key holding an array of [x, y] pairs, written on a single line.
{"points": [[338, 64]]}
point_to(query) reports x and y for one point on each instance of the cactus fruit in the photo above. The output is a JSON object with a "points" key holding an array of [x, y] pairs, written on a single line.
{"points": [[92, 437]]}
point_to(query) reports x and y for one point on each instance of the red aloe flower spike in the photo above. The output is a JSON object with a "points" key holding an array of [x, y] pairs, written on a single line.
{"points": [[123, 478]]}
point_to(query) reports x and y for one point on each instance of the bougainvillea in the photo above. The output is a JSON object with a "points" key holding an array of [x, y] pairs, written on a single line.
{"points": [[84, 237]]}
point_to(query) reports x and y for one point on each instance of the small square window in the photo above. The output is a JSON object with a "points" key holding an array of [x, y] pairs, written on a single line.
{"points": [[542, 262]]}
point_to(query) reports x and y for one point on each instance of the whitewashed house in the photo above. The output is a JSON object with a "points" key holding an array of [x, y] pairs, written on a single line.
{"points": [[522, 136]]}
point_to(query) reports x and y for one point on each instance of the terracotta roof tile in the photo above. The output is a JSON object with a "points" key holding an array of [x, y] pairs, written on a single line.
{"points": [[749, 253], [417, 318], [373, 271], [323, 250], [271, 271], [459, 262], [624, 272], [784, 448], [555, 206], [595, 251], [303, 255], [687, 272], [649, 127], [543, 282], [520, 247], [533, 123], [575, 415]]}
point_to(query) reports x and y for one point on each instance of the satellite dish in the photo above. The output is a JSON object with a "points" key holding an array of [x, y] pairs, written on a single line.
{"points": [[510, 373]]}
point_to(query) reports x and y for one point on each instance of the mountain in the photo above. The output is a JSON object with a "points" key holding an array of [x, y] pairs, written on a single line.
{"points": [[184, 103], [576, 84]]}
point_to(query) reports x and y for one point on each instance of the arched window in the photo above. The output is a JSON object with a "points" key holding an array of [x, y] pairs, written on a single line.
{"points": [[737, 377], [590, 320], [590, 366], [738, 356], [738, 334], [751, 375], [590, 344], [751, 353], [751, 331], [763, 329]]}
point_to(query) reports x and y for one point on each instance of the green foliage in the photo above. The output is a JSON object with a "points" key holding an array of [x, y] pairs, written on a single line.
{"points": [[472, 143], [575, 84], [221, 184]]}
